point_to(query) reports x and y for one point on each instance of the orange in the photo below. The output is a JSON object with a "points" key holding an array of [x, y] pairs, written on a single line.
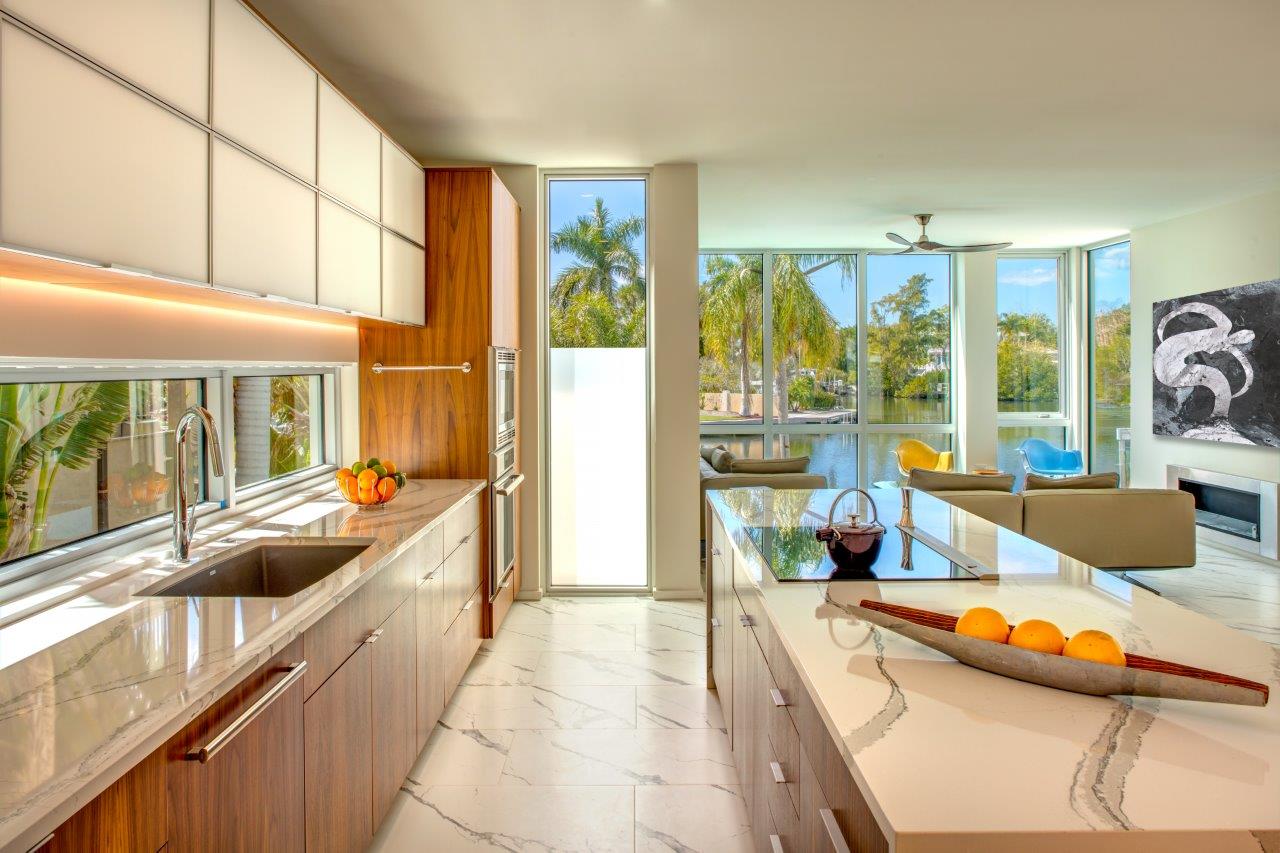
{"points": [[389, 465], [344, 473], [387, 488], [1038, 636], [1097, 646], [368, 496], [367, 478], [349, 488], [983, 623]]}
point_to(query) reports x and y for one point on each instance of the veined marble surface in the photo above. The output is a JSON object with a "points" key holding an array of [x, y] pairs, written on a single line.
{"points": [[947, 754], [92, 685]]}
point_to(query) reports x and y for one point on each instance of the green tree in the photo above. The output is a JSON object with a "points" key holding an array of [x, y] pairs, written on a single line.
{"points": [[1111, 356], [1027, 359], [732, 306], [901, 332], [805, 333], [605, 283]]}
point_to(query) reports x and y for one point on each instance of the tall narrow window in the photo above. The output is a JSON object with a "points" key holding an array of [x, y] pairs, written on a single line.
{"points": [[909, 339], [1109, 354], [597, 302], [731, 339], [278, 426]]}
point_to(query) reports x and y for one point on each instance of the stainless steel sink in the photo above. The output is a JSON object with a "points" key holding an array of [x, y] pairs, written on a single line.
{"points": [[262, 568]]}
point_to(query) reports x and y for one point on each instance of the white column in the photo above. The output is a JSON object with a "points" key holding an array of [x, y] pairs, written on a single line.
{"points": [[975, 362], [673, 381]]}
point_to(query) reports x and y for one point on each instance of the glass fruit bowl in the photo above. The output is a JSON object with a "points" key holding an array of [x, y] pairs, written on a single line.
{"points": [[370, 484]]}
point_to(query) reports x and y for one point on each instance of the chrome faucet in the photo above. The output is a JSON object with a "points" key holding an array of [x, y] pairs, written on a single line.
{"points": [[184, 519]]}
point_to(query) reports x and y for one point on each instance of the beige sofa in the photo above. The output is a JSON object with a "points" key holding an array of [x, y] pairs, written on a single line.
{"points": [[1108, 528], [710, 478]]}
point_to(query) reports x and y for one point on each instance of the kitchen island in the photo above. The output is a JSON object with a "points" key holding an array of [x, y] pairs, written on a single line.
{"points": [[848, 734]]}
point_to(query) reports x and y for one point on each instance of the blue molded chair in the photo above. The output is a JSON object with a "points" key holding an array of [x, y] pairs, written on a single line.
{"points": [[1041, 457]]}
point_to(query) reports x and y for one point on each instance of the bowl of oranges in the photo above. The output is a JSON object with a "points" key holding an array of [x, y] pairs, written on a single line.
{"points": [[370, 483]]}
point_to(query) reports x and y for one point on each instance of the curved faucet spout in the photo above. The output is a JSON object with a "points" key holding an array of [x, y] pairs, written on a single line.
{"points": [[184, 520]]}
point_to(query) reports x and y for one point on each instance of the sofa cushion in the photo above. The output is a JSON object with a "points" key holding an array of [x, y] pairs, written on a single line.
{"points": [[946, 481], [707, 449], [1002, 508], [722, 460], [1114, 528], [790, 465], [1084, 481]]}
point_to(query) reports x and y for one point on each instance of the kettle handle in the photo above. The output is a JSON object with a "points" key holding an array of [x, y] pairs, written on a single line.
{"points": [[875, 513]]}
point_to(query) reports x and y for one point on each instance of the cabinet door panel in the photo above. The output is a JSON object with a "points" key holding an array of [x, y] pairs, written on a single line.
{"points": [[404, 280], [160, 45], [91, 169], [504, 248], [248, 795], [128, 816], [339, 764], [349, 273], [461, 642], [461, 573], [348, 157], [395, 722], [264, 228], [430, 664], [404, 194], [264, 94]]}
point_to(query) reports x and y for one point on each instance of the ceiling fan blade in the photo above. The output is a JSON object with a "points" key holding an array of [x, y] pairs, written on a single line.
{"points": [[901, 241], [910, 250], [980, 247]]}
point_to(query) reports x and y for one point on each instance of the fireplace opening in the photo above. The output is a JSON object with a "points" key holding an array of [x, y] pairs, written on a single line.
{"points": [[1226, 510]]}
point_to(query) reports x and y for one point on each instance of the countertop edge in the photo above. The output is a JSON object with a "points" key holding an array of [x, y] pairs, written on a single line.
{"points": [[62, 798]]}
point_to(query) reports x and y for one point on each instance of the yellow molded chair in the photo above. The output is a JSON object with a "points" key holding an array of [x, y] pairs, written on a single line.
{"points": [[916, 454]]}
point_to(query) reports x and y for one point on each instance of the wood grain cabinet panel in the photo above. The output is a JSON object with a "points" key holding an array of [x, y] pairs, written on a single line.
{"points": [[458, 525], [429, 670], [461, 573], [349, 260], [404, 282], [91, 169], [339, 759], [249, 794], [395, 719], [160, 45], [404, 193], [348, 154], [264, 228], [461, 642], [264, 94], [128, 817]]}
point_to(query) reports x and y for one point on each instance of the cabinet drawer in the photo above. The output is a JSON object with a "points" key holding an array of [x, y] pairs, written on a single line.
{"points": [[348, 260], [432, 554], [461, 573], [784, 743], [461, 642], [461, 522]]}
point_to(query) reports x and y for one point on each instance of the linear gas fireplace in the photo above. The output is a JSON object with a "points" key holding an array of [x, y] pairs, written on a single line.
{"points": [[1236, 511]]}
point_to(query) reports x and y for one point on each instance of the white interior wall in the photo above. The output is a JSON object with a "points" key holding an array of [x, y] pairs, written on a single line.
{"points": [[1224, 246], [975, 359]]}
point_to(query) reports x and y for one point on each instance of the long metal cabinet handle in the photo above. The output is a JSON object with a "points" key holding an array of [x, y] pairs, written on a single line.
{"points": [[775, 844], [838, 843], [778, 699], [373, 636], [745, 621], [204, 753], [776, 769], [468, 605], [715, 622], [715, 552], [510, 488]]}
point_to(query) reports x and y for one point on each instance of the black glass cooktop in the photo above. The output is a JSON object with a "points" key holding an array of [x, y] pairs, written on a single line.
{"points": [[793, 553]]}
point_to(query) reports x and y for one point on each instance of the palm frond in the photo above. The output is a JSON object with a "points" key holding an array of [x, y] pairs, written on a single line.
{"points": [[105, 405]]}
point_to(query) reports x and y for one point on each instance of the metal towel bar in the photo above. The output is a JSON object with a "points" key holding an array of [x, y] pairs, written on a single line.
{"points": [[379, 367]]}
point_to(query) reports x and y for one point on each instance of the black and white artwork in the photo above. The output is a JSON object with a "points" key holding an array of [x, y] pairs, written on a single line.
{"points": [[1216, 365]]}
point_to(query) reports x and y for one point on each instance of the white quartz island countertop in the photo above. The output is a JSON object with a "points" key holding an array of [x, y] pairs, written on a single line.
{"points": [[950, 758], [92, 685]]}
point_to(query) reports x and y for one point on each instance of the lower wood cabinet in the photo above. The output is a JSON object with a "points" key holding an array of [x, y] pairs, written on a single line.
{"points": [[394, 692], [235, 774], [128, 817], [461, 641], [339, 758], [430, 666]]}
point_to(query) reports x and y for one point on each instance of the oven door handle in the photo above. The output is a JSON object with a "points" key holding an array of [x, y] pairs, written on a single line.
{"points": [[508, 488]]}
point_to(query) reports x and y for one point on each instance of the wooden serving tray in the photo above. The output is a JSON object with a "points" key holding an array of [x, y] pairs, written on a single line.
{"points": [[1141, 676]]}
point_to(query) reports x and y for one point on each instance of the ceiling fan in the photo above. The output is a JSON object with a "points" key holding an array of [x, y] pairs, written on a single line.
{"points": [[925, 245]]}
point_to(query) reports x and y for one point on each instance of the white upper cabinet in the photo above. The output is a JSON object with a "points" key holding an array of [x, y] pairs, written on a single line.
{"points": [[161, 45], [264, 228], [349, 251], [264, 94], [349, 153], [404, 280], [404, 193], [91, 169]]}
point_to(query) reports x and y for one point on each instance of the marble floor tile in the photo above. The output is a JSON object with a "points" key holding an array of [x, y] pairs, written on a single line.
{"points": [[462, 757], [678, 708], [621, 668], [543, 637], [671, 638], [502, 667], [622, 757], [691, 819], [536, 707], [538, 820], [603, 611]]}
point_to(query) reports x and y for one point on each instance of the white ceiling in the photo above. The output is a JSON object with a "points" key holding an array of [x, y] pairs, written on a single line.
{"points": [[824, 123]]}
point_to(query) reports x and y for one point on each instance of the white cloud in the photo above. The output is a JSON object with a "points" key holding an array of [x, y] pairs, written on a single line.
{"points": [[1029, 277], [1111, 258]]}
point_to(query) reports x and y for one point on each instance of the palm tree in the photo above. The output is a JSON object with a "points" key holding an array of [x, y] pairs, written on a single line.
{"points": [[732, 306], [805, 333], [605, 253]]}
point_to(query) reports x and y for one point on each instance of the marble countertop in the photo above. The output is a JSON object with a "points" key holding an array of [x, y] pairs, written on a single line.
{"points": [[946, 754], [92, 685]]}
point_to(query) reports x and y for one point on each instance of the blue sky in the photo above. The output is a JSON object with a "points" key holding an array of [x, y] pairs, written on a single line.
{"points": [[569, 199], [1109, 271], [1027, 286]]}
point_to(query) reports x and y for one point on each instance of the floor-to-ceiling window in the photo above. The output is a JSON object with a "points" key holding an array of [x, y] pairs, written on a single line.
{"points": [[1030, 368], [836, 356], [598, 375], [1108, 288]]}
